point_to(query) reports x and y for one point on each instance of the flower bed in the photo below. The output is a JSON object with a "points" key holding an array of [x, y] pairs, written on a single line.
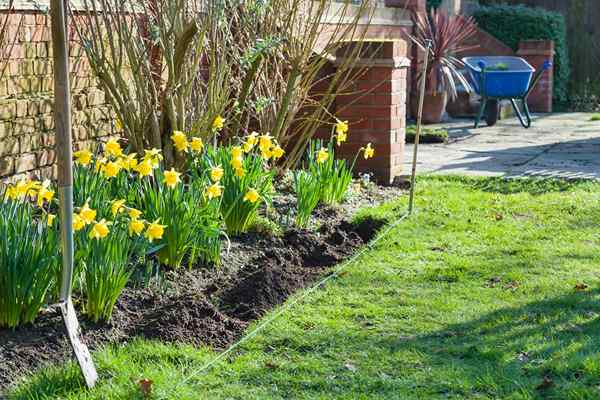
{"points": [[177, 256]]}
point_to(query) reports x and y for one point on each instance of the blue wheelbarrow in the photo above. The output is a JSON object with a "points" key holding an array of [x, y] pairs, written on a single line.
{"points": [[502, 78]]}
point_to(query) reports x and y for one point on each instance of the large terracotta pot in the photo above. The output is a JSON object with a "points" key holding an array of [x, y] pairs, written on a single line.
{"points": [[434, 106]]}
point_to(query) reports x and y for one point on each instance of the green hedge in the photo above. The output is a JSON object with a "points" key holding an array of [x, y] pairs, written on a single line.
{"points": [[511, 24]]}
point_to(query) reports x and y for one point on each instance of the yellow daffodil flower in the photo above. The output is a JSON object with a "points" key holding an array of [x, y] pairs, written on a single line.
{"points": [[196, 144], [134, 214], [155, 231], [50, 219], [369, 152], [252, 196], [322, 155], [154, 156], [83, 157], [341, 127], [216, 173], [278, 152], [172, 178], [214, 191], [236, 151], [78, 223], [116, 207], [218, 123], [265, 143], [99, 230], [44, 194], [144, 168], [87, 214], [266, 154], [111, 169], [113, 148], [136, 226], [237, 162], [180, 141], [248, 146], [239, 172]]}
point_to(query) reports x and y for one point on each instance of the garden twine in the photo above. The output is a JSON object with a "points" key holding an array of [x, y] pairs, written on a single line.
{"points": [[295, 300]]}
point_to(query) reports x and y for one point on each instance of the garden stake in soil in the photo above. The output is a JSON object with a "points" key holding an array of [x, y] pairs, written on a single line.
{"points": [[413, 176], [62, 117]]}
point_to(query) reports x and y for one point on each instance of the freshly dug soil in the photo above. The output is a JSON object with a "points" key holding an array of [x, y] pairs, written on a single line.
{"points": [[206, 306]]}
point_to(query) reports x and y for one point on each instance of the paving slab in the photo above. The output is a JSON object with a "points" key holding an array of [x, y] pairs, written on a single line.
{"points": [[565, 145]]}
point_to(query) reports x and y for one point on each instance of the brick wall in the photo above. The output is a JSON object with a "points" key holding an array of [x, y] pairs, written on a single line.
{"points": [[26, 100]]}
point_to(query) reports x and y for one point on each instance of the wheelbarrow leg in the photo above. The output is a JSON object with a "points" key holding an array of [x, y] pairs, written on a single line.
{"points": [[525, 122], [481, 111]]}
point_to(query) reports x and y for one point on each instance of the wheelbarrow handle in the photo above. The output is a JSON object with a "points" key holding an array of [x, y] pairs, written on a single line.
{"points": [[537, 77]]}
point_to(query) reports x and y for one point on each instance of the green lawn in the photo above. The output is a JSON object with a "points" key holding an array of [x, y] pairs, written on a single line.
{"points": [[491, 290]]}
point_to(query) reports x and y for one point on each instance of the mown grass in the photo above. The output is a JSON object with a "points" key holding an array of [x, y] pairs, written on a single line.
{"points": [[490, 291]]}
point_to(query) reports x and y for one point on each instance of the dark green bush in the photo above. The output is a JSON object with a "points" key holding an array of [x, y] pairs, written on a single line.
{"points": [[511, 24]]}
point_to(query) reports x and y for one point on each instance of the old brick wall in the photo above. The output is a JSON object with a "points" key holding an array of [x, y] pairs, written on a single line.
{"points": [[26, 120]]}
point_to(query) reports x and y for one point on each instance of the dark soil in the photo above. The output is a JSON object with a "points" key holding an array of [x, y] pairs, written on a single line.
{"points": [[206, 306]]}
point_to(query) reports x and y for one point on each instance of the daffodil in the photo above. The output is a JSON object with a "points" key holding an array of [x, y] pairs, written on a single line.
{"points": [[248, 146], [266, 154], [278, 152], [45, 194], [136, 226], [322, 155], [196, 144], [341, 138], [265, 142], [237, 162], [236, 151], [180, 141], [133, 213], [83, 157], [155, 231], [252, 196], [99, 230], [214, 191], [172, 178], [78, 223], [116, 207], [239, 172], [154, 156], [218, 123], [369, 152], [113, 148], [216, 173], [341, 127], [111, 169], [50, 219], [144, 168], [87, 214]]}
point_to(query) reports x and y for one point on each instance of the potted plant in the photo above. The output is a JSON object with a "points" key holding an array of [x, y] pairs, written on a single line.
{"points": [[448, 36]]}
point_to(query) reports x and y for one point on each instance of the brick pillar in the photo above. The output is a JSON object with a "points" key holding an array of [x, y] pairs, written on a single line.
{"points": [[536, 52], [376, 107]]}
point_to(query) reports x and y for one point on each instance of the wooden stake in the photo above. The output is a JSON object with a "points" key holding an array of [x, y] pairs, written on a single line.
{"points": [[62, 118], [413, 177]]}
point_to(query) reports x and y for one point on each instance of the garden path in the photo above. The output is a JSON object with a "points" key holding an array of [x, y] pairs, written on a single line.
{"points": [[563, 145]]}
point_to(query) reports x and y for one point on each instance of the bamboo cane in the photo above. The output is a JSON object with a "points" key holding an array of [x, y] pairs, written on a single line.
{"points": [[413, 177]]}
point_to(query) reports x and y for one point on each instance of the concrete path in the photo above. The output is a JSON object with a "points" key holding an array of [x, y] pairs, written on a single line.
{"points": [[558, 145]]}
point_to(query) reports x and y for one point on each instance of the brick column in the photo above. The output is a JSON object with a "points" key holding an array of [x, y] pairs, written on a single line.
{"points": [[536, 52], [376, 107]]}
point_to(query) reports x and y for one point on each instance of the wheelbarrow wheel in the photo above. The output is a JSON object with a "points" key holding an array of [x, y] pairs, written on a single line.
{"points": [[492, 112]]}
